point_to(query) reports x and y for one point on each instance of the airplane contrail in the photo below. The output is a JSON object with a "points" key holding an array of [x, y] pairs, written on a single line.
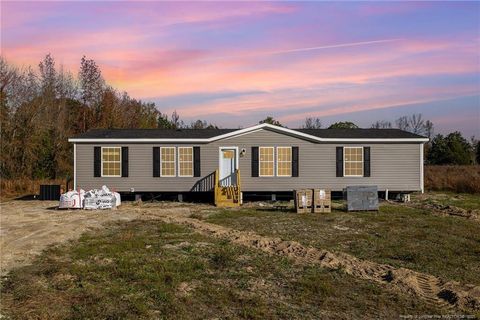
{"points": [[332, 46]]}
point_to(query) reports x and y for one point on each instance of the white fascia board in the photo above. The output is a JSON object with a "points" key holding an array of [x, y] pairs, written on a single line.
{"points": [[374, 140], [245, 131]]}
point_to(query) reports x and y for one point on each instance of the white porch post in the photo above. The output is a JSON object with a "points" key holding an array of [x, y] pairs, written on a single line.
{"points": [[421, 168], [74, 166]]}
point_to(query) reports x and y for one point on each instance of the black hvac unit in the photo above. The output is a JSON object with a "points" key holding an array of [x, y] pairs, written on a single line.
{"points": [[49, 192]]}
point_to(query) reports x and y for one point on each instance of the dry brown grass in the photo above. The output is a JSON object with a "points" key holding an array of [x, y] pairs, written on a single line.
{"points": [[10, 188], [453, 178]]}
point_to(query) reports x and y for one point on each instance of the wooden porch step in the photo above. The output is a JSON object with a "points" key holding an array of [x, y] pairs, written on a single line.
{"points": [[227, 196]]}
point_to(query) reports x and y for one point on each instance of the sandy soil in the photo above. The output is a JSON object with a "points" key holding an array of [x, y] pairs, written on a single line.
{"points": [[27, 227]]}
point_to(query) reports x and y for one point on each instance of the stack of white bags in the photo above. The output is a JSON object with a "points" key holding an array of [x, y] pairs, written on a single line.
{"points": [[72, 200], [93, 199]]}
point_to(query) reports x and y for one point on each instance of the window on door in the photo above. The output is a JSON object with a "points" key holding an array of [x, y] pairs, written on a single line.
{"points": [[266, 161]]}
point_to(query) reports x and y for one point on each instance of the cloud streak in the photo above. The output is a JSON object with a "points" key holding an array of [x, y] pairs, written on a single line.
{"points": [[306, 49]]}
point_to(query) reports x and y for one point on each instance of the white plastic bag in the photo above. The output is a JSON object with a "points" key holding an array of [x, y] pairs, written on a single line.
{"points": [[72, 200], [93, 199], [101, 199]]}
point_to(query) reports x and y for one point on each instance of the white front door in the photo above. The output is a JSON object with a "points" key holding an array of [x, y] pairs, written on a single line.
{"points": [[228, 163]]}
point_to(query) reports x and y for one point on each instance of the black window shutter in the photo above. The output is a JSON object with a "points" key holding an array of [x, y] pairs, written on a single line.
{"points": [[339, 161], [295, 162], [124, 161], [97, 161], [366, 161], [196, 162], [156, 161], [254, 161]]}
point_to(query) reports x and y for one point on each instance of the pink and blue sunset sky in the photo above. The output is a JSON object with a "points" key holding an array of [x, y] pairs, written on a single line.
{"points": [[234, 63]]}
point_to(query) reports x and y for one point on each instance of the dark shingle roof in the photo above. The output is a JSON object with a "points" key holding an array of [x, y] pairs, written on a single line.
{"points": [[209, 133], [152, 133], [361, 133]]}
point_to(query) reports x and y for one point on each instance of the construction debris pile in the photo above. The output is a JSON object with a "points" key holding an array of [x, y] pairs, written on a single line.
{"points": [[93, 199]]}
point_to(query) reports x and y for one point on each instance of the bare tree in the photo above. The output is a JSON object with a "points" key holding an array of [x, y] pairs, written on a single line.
{"points": [[176, 122], [416, 123], [202, 124], [92, 86], [382, 125], [312, 123], [198, 124], [91, 80], [48, 76], [403, 123], [428, 129]]}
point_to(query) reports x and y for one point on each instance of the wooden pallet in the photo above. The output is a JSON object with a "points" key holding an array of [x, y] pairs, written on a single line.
{"points": [[322, 200], [303, 200]]}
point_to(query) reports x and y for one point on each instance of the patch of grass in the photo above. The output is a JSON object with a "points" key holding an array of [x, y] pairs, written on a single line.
{"points": [[223, 256], [461, 200], [448, 247], [149, 269], [312, 284]]}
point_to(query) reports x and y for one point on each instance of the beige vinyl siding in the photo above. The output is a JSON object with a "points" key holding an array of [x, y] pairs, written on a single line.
{"points": [[394, 166]]}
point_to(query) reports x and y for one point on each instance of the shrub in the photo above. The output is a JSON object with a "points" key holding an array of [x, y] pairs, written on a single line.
{"points": [[453, 178], [19, 187]]}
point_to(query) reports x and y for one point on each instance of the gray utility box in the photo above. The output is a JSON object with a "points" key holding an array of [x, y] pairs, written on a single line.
{"points": [[362, 198]]}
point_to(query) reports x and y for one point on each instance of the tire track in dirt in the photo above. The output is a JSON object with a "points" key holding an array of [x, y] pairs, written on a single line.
{"points": [[444, 210], [431, 289]]}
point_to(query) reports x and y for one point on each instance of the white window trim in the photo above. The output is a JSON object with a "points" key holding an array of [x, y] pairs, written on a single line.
{"points": [[276, 163], [178, 163], [101, 161], [174, 162], [344, 160], [259, 161]]}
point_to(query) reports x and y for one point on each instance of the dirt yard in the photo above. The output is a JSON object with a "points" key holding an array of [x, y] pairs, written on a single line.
{"points": [[29, 227]]}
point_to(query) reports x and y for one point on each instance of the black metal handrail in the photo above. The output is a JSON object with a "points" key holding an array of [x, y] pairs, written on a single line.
{"points": [[205, 184], [230, 180]]}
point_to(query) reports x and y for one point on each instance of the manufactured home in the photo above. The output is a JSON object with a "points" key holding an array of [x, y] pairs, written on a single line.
{"points": [[259, 159]]}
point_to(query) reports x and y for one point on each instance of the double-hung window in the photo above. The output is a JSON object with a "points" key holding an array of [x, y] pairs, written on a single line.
{"points": [[167, 162], [111, 161], [284, 161], [266, 162], [185, 161], [353, 161]]}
